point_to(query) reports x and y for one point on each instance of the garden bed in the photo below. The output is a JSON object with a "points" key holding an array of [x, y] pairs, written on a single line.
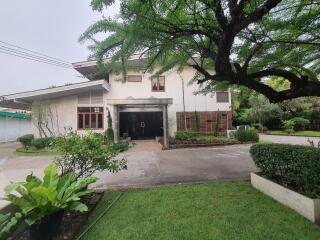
{"points": [[307, 207], [189, 144], [298, 133], [72, 222]]}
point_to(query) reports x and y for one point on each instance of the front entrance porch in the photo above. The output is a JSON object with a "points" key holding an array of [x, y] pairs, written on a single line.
{"points": [[141, 118], [141, 125]]}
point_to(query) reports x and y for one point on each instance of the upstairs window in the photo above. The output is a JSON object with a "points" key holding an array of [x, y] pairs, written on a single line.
{"points": [[90, 118], [158, 84], [222, 97], [134, 78]]}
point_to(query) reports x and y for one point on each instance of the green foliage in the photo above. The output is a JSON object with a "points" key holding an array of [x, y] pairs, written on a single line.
{"points": [[39, 143], [37, 199], [125, 135], [300, 123], [8, 224], [185, 136], [120, 146], [197, 121], [169, 33], [109, 134], [83, 155], [292, 165], [26, 140], [247, 135], [288, 126]]}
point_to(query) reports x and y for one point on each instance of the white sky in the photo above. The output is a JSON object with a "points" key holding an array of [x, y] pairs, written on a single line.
{"points": [[49, 27]]}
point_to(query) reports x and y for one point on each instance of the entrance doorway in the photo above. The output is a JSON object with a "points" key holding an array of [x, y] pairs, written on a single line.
{"points": [[141, 125]]}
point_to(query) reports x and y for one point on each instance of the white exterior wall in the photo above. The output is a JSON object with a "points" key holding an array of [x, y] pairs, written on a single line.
{"points": [[65, 108], [12, 128], [173, 89]]}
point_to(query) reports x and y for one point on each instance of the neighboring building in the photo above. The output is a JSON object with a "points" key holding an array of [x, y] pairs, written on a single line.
{"points": [[14, 125], [142, 107]]}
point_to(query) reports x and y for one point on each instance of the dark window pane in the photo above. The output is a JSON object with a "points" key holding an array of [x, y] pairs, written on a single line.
{"points": [[222, 97], [84, 109], [87, 121], [80, 121], [93, 121], [154, 83], [161, 81], [100, 121]]}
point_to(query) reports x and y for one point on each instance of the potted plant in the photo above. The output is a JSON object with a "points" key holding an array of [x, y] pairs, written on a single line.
{"points": [[42, 202]]}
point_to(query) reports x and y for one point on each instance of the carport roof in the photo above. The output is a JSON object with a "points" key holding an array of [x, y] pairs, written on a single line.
{"points": [[19, 100]]}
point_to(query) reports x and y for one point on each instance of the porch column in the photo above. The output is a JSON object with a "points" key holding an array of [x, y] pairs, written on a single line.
{"points": [[116, 123], [165, 126]]}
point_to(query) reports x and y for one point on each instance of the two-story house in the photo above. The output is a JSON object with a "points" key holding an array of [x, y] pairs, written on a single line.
{"points": [[141, 106]]}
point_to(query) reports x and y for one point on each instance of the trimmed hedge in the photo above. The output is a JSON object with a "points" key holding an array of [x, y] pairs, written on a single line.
{"points": [[39, 143], [295, 166], [26, 140], [246, 135]]}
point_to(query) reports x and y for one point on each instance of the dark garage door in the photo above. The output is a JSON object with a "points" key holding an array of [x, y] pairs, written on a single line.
{"points": [[141, 125]]}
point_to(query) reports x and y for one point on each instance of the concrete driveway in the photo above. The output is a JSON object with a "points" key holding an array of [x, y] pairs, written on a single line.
{"points": [[153, 167], [147, 165], [289, 139]]}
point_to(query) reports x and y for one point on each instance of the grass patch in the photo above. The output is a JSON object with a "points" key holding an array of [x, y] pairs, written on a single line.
{"points": [[35, 153], [230, 210], [265, 141], [298, 133]]}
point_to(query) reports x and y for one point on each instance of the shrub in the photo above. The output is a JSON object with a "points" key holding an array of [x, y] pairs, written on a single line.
{"points": [[38, 143], [9, 223], [247, 135], [185, 136], [120, 147], [288, 126], [125, 135], [292, 165], [83, 155], [300, 123], [38, 199], [259, 127], [26, 140], [109, 134]]}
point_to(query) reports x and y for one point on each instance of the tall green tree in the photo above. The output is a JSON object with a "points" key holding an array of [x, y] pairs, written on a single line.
{"points": [[241, 42]]}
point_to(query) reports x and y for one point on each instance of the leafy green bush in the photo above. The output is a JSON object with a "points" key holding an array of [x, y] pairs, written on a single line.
{"points": [[38, 199], [185, 136], [109, 134], [8, 224], [300, 123], [288, 126], [291, 165], [120, 147], [83, 155], [26, 140], [247, 135], [125, 135], [40, 143]]}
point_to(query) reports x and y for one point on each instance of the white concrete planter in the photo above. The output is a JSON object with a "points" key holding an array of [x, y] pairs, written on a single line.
{"points": [[307, 207]]}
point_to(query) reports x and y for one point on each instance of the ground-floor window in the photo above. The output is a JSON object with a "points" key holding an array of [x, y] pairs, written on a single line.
{"points": [[90, 118]]}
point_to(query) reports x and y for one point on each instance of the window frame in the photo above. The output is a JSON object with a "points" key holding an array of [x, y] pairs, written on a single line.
{"points": [[134, 75], [90, 113], [158, 84], [225, 93]]}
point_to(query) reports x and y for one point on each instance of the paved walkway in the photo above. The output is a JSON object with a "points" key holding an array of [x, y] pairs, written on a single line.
{"points": [[289, 139]]}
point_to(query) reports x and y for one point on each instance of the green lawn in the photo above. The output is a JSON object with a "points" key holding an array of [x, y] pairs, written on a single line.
{"points": [[299, 133], [230, 210]]}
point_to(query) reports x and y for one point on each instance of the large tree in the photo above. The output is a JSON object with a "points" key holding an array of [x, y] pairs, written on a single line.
{"points": [[241, 42]]}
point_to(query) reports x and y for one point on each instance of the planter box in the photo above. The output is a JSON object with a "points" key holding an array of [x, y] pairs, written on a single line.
{"points": [[307, 207]]}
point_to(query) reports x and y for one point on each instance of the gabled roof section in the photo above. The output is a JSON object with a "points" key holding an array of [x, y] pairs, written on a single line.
{"points": [[18, 99]]}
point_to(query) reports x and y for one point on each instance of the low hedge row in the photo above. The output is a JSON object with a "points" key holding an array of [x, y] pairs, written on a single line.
{"points": [[295, 166]]}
